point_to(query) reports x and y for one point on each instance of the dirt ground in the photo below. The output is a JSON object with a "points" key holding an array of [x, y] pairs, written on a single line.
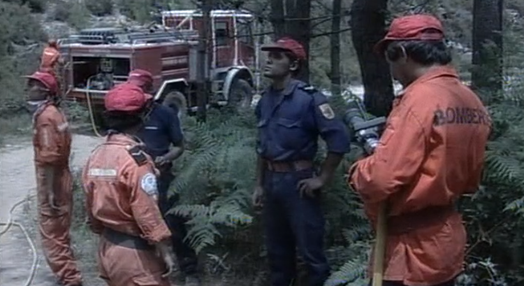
{"points": [[17, 183]]}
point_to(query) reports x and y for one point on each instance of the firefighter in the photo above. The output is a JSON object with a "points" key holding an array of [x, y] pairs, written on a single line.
{"points": [[52, 146], [291, 115], [121, 190], [430, 154], [161, 131], [50, 57], [51, 60]]}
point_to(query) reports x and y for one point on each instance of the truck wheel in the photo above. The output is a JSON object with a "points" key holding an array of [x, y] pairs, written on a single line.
{"points": [[240, 94], [177, 101]]}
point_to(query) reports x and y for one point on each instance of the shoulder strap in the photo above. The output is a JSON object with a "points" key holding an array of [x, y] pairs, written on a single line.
{"points": [[137, 154], [308, 88]]}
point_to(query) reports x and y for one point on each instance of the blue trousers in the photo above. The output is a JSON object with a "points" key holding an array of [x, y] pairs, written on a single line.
{"points": [[291, 223], [186, 256]]}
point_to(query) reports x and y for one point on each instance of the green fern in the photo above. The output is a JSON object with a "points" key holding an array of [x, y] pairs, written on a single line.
{"points": [[204, 220], [215, 176]]}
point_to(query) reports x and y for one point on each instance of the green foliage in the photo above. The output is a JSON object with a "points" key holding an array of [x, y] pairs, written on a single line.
{"points": [[138, 10], [495, 213], [215, 176], [36, 6], [75, 14], [17, 28], [99, 7], [354, 268]]}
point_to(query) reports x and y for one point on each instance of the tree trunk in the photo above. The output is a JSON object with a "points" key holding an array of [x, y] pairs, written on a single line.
{"points": [[291, 18], [335, 47], [277, 18], [486, 74], [367, 28], [203, 81]]}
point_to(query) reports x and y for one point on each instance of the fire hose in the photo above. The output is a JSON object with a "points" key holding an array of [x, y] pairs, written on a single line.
{"points": [[10, 222], [90, 109]]}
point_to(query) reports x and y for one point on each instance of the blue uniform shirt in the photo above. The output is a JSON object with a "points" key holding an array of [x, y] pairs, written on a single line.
{"points": [[160, 130], [290, 121]]}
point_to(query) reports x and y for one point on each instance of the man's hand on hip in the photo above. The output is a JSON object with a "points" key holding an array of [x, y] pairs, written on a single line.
{"points": [[162, 160]]}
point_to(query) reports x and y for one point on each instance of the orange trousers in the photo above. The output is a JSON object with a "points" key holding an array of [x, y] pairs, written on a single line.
{"points": [[123, 266], [54, 226]]}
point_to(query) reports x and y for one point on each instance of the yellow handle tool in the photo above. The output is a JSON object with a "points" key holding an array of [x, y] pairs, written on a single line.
{"points": [[380, 247]]}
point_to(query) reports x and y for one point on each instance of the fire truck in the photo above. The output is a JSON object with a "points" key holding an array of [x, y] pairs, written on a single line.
{"points": [[97, 59]]}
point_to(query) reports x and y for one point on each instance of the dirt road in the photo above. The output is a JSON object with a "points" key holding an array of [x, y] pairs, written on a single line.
{"points": [[17, 181]]}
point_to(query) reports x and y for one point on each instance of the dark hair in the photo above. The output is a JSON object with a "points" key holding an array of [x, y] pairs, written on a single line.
{"points": [[122, 121], [293, 58], [425, 53]]}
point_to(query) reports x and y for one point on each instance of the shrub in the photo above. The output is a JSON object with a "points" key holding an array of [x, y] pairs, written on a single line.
{"points": [[74, 13], [36, 6], [99, 7], [138, 10], [17, 29]]}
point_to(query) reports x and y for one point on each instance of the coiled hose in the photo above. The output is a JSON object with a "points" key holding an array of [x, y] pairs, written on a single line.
{"points": [[8, 225]]}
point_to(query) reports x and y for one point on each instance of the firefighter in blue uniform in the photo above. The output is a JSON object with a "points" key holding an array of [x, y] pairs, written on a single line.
{"points": [[162, 130], [291, 115]]}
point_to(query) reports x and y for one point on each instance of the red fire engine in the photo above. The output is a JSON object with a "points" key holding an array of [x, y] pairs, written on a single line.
{"points": [[97, 59]]}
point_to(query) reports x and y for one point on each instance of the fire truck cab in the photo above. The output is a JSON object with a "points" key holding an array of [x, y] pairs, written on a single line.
{"points": [[98, 59]]}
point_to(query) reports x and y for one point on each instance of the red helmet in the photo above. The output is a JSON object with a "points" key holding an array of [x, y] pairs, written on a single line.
{"points": [[287, 44], [125, 97], [140, 77], [420, 27], [47, 79]]}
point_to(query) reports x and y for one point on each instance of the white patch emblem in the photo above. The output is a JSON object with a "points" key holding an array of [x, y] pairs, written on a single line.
{"points": [[97, 172], [148, 184], [327, 111], [151, 128]]}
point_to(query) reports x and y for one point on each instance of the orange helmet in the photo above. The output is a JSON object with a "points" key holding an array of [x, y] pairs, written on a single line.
{"points": [[52, 43]]}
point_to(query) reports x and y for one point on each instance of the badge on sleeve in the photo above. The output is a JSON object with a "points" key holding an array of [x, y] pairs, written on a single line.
{"points": [[148, 184], [326, 110]]}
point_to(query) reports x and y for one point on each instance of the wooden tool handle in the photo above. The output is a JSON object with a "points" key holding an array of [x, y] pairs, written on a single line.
{"points": [[380, 247]]}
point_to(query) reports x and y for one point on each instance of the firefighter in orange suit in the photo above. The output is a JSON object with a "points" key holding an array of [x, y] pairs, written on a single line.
{"points": [[52, 146], [50, 61], [430, 154], [120, 184], [50, 57]]}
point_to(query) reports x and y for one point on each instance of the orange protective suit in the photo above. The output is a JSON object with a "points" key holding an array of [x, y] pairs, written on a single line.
{"points": [[431, 153], [49, 59], [52, 146], [48, 63], [120, 184]]}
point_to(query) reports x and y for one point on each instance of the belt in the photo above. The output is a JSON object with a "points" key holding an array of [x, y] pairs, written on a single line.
{"points": [[126, 240], [408, 222], [289, 166]]}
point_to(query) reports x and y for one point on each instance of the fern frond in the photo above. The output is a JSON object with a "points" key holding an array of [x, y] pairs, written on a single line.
{"points": [[201, 235], [501, 167], [349, 272], [516, 206]]}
